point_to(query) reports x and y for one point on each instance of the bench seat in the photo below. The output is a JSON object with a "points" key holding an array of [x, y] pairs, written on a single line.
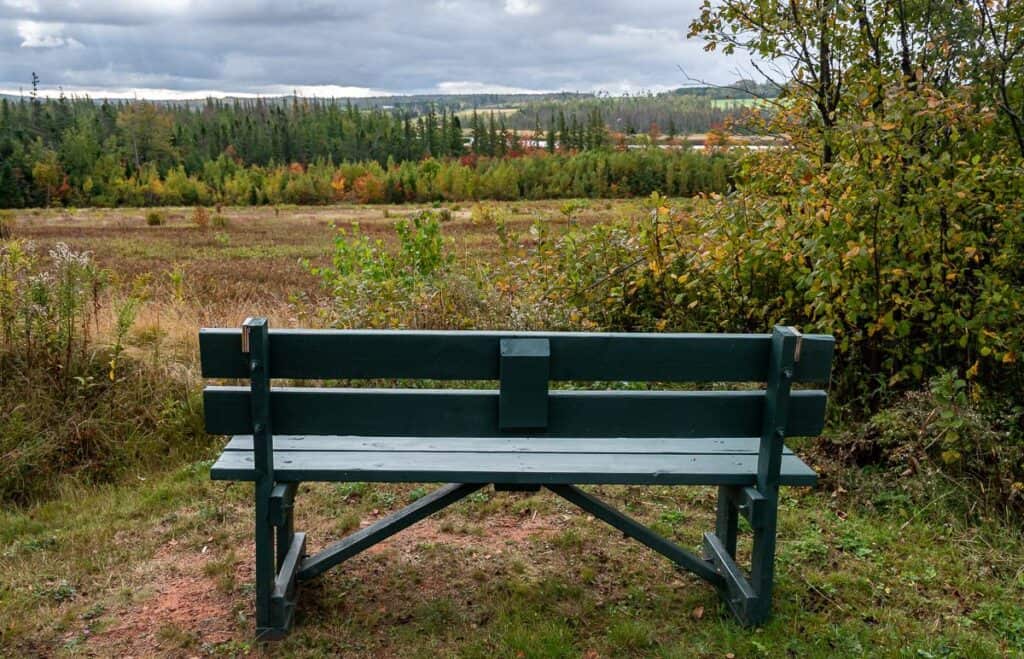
{"points": [[517, 460]]}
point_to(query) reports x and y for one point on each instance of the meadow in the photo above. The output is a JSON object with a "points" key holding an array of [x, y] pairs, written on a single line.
{"points": [[154, 559]]}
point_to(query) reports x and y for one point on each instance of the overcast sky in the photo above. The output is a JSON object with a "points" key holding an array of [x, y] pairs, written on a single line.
{"points": [[185, 48]]}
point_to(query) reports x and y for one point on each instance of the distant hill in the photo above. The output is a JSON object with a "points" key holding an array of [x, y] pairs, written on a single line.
{"points": [[458, 102]]}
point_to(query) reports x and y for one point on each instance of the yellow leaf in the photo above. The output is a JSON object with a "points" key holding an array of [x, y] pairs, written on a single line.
{"points": [[1010, 357]]}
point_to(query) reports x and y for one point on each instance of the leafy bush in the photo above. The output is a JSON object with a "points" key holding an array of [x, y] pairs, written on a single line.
{"points": [[155, 219], [972, 438], [72, 405], [415, 285], [420, 257]]}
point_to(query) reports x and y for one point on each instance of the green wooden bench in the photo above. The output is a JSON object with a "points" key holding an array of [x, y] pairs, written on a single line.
{"points": [[520, 436]]}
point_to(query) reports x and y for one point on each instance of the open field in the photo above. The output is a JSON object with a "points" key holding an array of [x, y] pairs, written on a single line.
{"points": [[734, 103], [255, 257], [161, 564]]}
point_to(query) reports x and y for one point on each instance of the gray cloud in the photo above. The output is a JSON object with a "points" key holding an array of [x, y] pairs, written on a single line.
{"points": [[332, 48]]}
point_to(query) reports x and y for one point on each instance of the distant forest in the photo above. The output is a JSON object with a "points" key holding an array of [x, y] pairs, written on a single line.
{"points": [[76, 150]]}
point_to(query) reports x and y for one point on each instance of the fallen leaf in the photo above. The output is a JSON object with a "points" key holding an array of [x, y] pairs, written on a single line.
{"points": [[698, 613]]}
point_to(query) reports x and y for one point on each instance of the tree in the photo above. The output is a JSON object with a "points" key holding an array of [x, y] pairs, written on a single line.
{"points": [[79, 149], [893, 218], [48, 176], [146, 131], [1002, 36], [803, 39]]}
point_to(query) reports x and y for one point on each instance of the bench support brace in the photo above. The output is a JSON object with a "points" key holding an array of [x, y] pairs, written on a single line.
{"points": [[599, 509], [385, 528]]}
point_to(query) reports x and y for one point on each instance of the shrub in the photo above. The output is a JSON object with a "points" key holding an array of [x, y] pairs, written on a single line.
{"points": [[976, 440], [73, 405], [201, 217], [47, 307], [220, 221], [155, 219], [6, 225], [411, 285]]}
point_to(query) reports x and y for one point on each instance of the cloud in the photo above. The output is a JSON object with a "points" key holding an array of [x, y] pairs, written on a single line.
{"points": [[327, 48], [475, 87], [44, 35], [522, 7]]}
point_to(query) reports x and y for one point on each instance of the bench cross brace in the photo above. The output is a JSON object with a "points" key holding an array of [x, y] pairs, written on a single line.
{"points": [[599, 509], [385, 528]]}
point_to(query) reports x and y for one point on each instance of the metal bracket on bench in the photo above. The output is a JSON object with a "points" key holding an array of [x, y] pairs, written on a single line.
{"points": [[750, 503], [799, 343], [245, 335], [282, 500]]}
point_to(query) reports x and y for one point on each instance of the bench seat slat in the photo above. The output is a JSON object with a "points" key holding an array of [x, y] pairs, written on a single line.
{"points": [[600, 445], [442, 355], [511, 467], [474, 413]]}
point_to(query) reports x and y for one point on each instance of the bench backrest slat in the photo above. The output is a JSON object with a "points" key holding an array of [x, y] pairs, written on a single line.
{"points": [[474, 413], [361, 354]]}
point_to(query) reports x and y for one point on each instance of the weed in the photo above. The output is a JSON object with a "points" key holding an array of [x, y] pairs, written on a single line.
{"points": [[155, 219], [383, 498], [201, 217], [348, 521], [6, 225], [354, 490], [61, 591]]}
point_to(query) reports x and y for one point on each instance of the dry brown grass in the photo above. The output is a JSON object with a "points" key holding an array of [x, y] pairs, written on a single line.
{"points": [[253, 265]]}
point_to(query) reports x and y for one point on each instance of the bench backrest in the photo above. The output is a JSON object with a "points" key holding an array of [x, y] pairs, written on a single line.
{"points": [[523, 363]]}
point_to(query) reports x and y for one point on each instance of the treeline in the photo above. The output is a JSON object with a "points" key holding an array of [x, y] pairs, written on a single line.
{"points": [[595, 174], [76, 151], [670, 114]]}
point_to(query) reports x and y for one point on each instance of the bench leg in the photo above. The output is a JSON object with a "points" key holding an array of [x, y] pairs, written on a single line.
{"points": [[279, 550], [265, 568], [726, 520], [749, 599], [762, 567]]}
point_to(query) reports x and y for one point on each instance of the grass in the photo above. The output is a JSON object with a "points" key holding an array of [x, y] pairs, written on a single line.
{"points": [[506, 574], [160, 563]]}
